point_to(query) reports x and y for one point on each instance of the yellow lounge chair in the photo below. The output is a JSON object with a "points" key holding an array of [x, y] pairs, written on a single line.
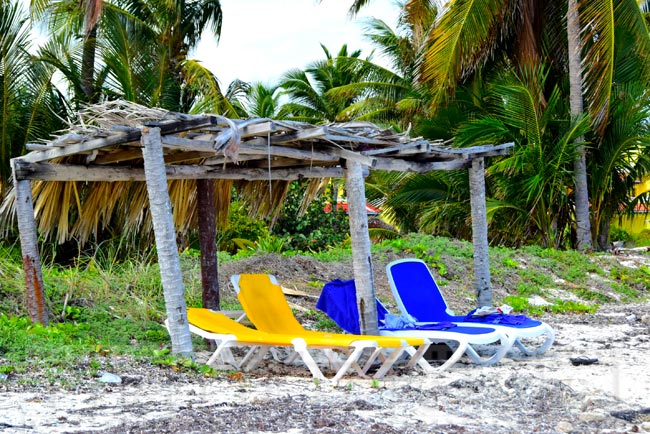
{"points": [[228, 333], [265, 305]]}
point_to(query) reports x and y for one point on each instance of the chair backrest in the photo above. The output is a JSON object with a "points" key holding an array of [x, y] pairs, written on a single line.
{"points": [[265, 304], [416, 292]]}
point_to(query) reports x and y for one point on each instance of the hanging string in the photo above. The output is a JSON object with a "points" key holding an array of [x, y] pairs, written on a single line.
{"points": [[268, 160]]}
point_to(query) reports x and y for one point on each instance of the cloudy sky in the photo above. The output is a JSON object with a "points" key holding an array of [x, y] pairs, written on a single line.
{"points": [[261, 39]]}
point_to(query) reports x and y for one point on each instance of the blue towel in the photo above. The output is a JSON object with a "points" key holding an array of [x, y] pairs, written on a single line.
{"points": [[497, 318], [339, 301]]}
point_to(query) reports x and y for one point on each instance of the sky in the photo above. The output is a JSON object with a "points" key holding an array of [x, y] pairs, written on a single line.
{"points": [[262, 39]]}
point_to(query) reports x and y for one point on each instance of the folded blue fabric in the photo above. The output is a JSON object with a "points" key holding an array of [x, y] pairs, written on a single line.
{"points": [[496, 318], [339, 301]]}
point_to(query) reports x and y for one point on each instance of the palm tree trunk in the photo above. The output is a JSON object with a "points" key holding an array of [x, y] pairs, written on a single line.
{"points": [[361, 257], [480, 233], [207, 242], [29, 247], [88, 65], [583, 225], [163, 225]]}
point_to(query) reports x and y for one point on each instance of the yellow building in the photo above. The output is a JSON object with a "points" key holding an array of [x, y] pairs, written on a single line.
{"points": [[641, 219]]}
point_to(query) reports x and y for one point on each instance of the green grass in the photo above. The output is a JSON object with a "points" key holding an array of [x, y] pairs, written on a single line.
{"points": [[107, 304]]}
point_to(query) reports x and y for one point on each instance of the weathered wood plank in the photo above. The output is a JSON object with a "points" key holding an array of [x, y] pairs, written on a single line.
{"points": [[357, 139], [118, 156], [37, 147], [79, 148], [259, 147], [355, 156], [257, 129], [474, 151], [177, 126], [66, 172], [188, 144], [311, 133], [35, 289], [403, 149], [393, 164]]}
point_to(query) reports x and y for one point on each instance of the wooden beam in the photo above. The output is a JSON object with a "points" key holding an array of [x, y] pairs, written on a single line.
{"points": [[355, 156], [118, 155], [184, 144], [68, 172], [35, 291], [37, 147], [356, 139], [185, 124], [222, 159], [83, 147], [296, 136], [421, 146], [474, 151], [255, 147], [257, 129], [206, 203], [482, 279], [397, 165]]}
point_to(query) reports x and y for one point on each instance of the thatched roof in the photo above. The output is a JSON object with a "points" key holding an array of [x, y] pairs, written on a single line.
{"points": [[105, 146]]}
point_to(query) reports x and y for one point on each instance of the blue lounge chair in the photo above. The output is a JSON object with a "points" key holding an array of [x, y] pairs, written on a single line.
{"points": [[338, 301], [418, 295]]}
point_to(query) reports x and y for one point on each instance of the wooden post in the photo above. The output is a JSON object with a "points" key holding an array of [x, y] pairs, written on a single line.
{"points": [[163, 226], [208, 243], [361, 257], [29, 247], [479, 233]]}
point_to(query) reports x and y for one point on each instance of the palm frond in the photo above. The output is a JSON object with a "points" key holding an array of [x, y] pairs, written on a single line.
{"points": [[461, 40]]}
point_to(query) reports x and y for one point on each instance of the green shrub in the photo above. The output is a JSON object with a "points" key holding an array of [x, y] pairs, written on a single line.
{"points": [[241, 231], [312, 231]]}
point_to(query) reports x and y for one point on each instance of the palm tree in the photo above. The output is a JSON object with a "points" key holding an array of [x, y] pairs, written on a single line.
{"points": [[174, 28], [622, 158], [14, 63], [31, 107], [477, 35], [263, 101], [392, 95], [312, 92]]}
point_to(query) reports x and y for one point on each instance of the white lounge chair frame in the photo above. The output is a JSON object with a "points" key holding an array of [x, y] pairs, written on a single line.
{"points": [[416, 355], [514, 335]]}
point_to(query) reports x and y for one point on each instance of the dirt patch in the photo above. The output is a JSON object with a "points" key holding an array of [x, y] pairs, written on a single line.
{"points": [[546, 394]]}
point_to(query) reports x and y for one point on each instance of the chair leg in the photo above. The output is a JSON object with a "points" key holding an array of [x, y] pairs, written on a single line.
{"points": [[416, 356], [223, 350], [250, 354], [301, 348], [506, 345], [257, 359], [550, 337], [371, 359], [332, 358], [389, 362], [463, 346], [352, 359], [291, 358]]}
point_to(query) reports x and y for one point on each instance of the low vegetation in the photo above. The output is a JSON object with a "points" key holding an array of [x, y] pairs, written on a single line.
{"points": [[108, 305]]}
